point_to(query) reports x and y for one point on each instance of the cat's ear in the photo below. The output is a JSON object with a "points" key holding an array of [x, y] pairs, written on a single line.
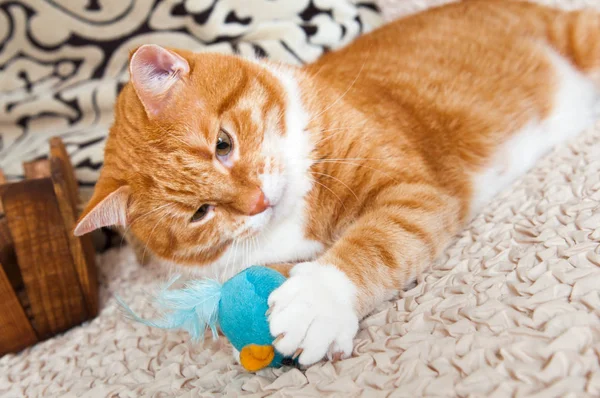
{"points": [[154, 72], [107, 207]]}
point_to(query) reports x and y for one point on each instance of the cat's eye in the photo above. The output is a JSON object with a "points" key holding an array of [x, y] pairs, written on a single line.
{"points": [[200, 213], [224, 144]]}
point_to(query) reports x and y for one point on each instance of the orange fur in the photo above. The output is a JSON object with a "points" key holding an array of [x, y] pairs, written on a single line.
{"points": [[400, 120]]}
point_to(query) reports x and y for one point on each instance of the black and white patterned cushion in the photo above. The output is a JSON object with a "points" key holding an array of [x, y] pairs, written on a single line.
{"points": [[62, 62]]}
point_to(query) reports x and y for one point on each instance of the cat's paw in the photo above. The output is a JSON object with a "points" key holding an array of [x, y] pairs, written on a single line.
{"points": [[312, 314]]}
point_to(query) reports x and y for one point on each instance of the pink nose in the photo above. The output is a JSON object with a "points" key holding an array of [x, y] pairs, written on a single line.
{"points": [[261, 204]]}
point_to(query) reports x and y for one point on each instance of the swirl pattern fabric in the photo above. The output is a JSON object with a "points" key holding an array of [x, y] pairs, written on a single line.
{"points": [[62, 62]]}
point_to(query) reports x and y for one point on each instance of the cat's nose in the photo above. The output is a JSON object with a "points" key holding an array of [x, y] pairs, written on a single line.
{"points": [[261, 203]]}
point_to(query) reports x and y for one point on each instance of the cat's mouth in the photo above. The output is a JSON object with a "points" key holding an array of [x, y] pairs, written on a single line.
{"points": [[256, 224]]}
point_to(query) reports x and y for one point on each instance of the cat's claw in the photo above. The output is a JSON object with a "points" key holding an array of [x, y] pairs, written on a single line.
{"points": [[297, 353], [314, 311], [278, 339], [335, 357], [340, 350]]}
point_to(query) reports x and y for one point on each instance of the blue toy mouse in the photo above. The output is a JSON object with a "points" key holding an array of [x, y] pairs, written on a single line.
{"points": [[237, 306]]}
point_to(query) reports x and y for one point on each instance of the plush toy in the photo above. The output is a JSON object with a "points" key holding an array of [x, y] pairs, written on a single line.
{"points": [[237, 306]]}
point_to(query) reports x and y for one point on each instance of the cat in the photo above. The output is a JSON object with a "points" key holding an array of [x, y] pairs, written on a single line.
{"points": [[357, 169]]}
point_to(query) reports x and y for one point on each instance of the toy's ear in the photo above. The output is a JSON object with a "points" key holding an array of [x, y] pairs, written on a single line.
{"points": [[107, 207], [155, 72]]}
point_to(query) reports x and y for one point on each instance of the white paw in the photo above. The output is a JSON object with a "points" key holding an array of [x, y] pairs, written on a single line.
{"points": [[313, 314]]}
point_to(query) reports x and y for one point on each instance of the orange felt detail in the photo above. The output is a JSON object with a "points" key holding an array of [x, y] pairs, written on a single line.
{"points": [[255, 357]]}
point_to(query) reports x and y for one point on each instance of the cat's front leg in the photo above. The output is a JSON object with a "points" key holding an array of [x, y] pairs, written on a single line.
{"points": [[316, 311]]}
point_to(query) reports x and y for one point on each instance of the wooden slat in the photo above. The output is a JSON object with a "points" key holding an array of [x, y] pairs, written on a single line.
{"points": [[82, 248], [37, 169], [16, 332], [58, 150], [7, 256], [43, 254], [2, 181]]}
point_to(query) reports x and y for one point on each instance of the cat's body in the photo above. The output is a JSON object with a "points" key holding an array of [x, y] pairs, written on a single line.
{"points": [[361, 166]]}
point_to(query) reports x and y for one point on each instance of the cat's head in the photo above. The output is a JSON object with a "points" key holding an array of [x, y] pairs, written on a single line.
{"points": [[205, 149]]}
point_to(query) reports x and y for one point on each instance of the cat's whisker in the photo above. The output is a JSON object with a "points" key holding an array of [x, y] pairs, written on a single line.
{"points": [[338, 129], [242, 251], [256, 244], [233, 259], [317, 72], [238, 248], [326, 159], [245, 253], [359, 165], [223, 271], [140, 217], [253, 245], [341, 130], [180, 140], [341, 96], [333, 193], [249, 254], [150, 236], [338, 180], [250, 249], [335, 129], [230, 256]]}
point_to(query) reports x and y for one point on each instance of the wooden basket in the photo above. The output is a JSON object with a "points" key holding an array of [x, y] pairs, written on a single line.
{"points": [[48, 280]]}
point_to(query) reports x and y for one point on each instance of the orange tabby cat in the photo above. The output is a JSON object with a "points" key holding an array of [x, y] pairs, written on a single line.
{"points": [[359, 168]]}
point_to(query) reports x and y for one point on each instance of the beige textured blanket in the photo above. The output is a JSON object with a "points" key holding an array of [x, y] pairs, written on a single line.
{"points": [[511, 309]]}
